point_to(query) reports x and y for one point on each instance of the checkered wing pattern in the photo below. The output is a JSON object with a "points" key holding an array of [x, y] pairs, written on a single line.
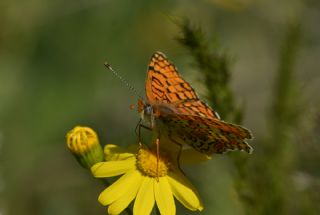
{"points": [[165, 85], [207, 135]]}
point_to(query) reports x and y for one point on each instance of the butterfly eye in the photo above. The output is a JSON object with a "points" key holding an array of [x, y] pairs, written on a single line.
{"points": [[148, 109]]}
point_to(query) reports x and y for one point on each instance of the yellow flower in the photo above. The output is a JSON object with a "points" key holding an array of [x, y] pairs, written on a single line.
{"points": [[147, 178], [84, 145]]}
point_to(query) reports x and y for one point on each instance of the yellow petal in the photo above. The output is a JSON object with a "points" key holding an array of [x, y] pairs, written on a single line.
{"points": [[164, 197], [184, 191], [130, 193], [145, 197], [114, 152], [118, 188], [191, 156], [188, 155], [112, 168]]}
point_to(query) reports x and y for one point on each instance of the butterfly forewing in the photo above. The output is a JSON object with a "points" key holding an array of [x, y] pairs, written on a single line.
{"points": [[165, 85]]}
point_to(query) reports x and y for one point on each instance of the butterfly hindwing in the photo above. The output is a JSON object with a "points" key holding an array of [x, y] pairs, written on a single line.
{"points": [[207, 135]]}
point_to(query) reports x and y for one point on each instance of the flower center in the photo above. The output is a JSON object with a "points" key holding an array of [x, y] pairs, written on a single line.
{"points": [[152, 165]]}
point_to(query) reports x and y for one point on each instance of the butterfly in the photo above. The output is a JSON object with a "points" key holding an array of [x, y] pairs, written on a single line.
{"points": [[173, 106]]}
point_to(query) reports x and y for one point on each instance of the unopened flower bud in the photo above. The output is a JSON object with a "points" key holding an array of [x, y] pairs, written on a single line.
{"points": [[84, 145]]}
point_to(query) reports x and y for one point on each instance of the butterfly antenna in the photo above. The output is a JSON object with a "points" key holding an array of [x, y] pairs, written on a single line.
{"points": [[133, 89]]}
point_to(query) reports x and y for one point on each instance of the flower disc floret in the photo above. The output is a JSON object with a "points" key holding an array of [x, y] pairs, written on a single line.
{"points": [[152, 165]]}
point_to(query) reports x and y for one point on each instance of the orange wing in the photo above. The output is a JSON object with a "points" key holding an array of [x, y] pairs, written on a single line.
{"points": [[165, 85]]}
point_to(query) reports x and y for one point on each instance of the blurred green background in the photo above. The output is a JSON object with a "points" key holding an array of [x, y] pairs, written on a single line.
{"points": [[52, 78]]}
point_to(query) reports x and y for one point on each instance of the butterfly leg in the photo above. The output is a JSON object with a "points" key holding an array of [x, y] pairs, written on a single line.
{"points": [[138, 131], [179, 153], [158, 155]]}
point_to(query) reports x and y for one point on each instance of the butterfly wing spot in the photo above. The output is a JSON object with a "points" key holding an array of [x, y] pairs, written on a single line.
{"points": [[160, 56], [161, 64]]}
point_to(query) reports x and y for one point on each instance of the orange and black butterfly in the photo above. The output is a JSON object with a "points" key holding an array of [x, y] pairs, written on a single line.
{"points": [[173, 106]]}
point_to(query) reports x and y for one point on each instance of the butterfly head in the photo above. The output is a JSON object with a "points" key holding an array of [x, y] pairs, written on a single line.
{"points": [[146, 112]]}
